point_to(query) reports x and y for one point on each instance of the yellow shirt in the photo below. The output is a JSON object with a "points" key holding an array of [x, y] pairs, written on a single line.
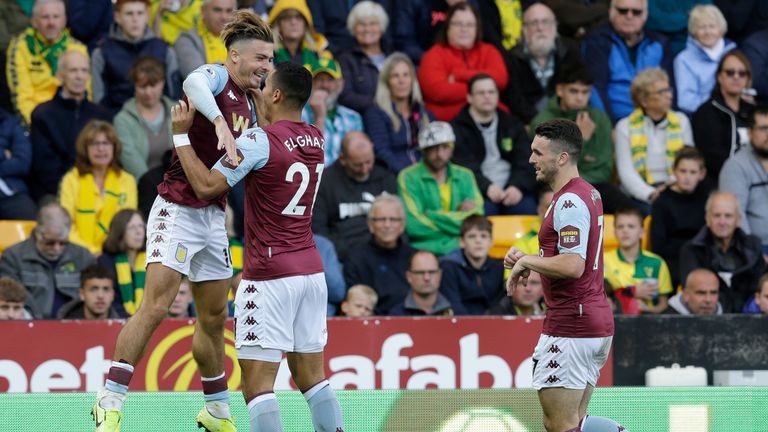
{"points": [[175, 23], [622, 274]]}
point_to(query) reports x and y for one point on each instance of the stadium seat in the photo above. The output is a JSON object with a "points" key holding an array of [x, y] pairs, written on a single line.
{"points": [[647, 237], [610, 242], [12, 232], [507, 229]]}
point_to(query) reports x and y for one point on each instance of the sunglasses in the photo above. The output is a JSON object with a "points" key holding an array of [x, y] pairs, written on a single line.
{"points": [[733, 72], [627, 11]]}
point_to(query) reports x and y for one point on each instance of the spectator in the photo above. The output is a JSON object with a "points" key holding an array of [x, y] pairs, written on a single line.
{"points": [[89, 20], [576, 19], [437, 193], [755, 48], [346, 193], [678, 214], [670, 18], [724, 248], [535, 63], [417, 24], [695, 66], [528, 299], [16, 157], [97, 293], [13, 295], [745, 17], [12, 21], [382, 262], [201, 44], [471, 279], [495, 146], [571, 101], [170, 18], [360, 302], [367, 22], [182, 306], [33, 57], [330, 17], [758, 304], [398, 114], [699, 296], [457, 56], [720, 124], [640, 279], [617, 51], [57, 123], [143, 125], [130, 38], [46, 263], [647, 139], [299, 42], [334, 276], [424, 297], [503, 33], [259, 7], [96, 188], [529, 242], [324, 111], [745, 174], [124, 255]]}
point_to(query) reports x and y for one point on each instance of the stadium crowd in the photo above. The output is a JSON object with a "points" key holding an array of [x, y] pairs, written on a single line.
{"points": [[427, 109]]}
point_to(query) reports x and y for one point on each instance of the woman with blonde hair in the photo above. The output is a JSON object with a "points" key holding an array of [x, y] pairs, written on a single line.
{"points": [[394, 121], [97, 187], [648, 139]]}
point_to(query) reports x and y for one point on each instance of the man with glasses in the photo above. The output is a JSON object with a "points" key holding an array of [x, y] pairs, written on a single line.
{"points": [[383, 261], [617, 51], [745, 175], [535, 62], [424, 298], [47, 264], [348, 188]]}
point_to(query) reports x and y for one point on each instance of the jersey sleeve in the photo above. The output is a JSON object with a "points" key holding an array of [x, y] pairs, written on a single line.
{"points": [[202, 85], [572, 223], [252, 153]]}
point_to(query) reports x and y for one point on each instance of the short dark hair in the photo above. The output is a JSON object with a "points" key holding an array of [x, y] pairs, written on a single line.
{"points": [[628, 211], [95, 271], [565, 134], [246, 25], [478, 77], [478, 222], [761, 110], [573, 73], [294, 81], [689, 153], [12, 291], [149, 69]]}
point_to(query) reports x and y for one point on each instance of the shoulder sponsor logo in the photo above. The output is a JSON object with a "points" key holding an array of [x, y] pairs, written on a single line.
{"points": [[570, 236], [228, 163], [568, 204]]}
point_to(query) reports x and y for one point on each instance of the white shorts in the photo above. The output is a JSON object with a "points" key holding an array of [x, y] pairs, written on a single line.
{"points": [[571, 363], [192, 241], [281, 315]]}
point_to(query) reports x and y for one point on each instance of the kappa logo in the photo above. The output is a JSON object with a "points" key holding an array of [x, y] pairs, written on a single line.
{"points": [[554, 349], [250, 289], [552, 379], [251, 321], [338, 429], [156, 254], [161, 226], [158, 239], [621, 429], [164, 213], [250, 305], [250, 337], [553, 364], [231, 95], [568, 204]]}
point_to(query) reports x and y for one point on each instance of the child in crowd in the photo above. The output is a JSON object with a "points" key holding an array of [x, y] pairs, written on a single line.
{"points": [[360, 302]]}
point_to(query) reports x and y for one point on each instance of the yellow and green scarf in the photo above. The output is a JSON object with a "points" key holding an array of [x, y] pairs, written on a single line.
{"points": [[215, 51], [93, 223], [638, 142], [39, 46], [130, 281]]}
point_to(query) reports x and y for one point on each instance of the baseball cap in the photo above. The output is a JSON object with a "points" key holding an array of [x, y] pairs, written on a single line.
{"points": [[329, 66], [436, 133]]}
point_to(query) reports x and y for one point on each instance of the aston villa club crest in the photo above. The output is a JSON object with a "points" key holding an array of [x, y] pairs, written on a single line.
{"points": [[181, 253]]}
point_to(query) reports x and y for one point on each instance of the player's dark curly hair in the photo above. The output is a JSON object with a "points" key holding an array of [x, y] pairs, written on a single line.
{"points": [[564, 134], [246, 25], [295, 81]]}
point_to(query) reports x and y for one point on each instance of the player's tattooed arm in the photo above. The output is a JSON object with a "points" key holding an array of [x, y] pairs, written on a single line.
{"points": [[207, 184]]}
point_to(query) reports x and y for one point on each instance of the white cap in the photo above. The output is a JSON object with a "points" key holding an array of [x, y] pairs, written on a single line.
{"points": [[436, 133]]}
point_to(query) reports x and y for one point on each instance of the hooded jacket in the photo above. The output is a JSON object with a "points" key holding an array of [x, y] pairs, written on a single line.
{"points": [[314, 45], [676, 306], [130, 130], [470, 290], [695, 72]]}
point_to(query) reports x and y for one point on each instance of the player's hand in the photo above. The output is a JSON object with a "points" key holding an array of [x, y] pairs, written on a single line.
{"points": [[512, 257], [519, 276], [260, 101], [226, 140], [182, 115], [512, 196]]}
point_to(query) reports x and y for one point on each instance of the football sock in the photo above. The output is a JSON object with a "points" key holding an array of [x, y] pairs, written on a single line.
{"points": [[216, 396], [325, 408], [601, 424], [116, 387], [265, 413]]}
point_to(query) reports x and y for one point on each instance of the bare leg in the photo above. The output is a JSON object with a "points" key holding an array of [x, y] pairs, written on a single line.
{"points": [[585, 400], [306, 369], [208, 340], [561, 408], [160, 290]]}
